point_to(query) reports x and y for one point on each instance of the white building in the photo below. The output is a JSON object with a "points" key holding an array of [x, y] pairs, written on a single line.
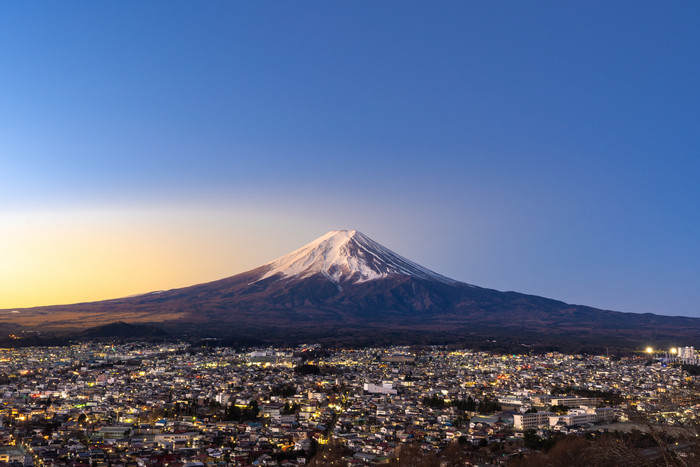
{"points": [[571, 401], [384, 388], [510, 400], [687, 354], [574, 417], [525, 421]]}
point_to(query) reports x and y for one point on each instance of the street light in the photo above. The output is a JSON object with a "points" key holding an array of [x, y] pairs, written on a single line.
{"points": [[650, 350], [674, 350]]}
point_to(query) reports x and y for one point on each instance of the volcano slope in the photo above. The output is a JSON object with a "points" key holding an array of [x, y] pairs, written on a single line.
{"points": [[347, 289]]}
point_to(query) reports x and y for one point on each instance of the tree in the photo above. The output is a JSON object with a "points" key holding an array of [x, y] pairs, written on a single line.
{"points": [[470, 406], [254, 407], [307, 369], [559, 409], [284, 390], [487, 406], [434, 401], [532, 441], [331, 455], [289, 409], [238, 414], [411, 455]]}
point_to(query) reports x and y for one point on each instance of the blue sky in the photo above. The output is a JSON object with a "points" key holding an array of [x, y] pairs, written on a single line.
{"points": [[549, 148]]}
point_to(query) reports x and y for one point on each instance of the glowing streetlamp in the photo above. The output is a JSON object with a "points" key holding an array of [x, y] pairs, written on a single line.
{"points": [[650, 350], [674, 350]]}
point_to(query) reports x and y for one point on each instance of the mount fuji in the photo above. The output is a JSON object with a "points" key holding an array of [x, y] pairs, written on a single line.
{"points": [[345, 288], [347, 256]]}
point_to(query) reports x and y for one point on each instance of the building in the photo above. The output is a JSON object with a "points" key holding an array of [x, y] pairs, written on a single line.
{"points": [[384, 388], [574, 417], [10, 454], [525, 421], [687, 354], [399, 358], [570, 401]]}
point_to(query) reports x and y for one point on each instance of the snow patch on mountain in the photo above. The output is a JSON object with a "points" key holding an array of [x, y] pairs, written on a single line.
{"points": [[347, 255]]}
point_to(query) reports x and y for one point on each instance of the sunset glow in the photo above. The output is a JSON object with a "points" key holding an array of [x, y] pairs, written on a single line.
{"points": [[49, 259]]}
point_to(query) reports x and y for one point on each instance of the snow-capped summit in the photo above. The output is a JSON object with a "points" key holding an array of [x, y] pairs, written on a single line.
{"points": [[347, 255]]}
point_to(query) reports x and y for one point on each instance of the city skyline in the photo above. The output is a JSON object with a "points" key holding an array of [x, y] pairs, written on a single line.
{"points": [[548, 150]]}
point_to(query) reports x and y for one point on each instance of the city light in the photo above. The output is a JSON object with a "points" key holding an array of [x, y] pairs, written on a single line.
{"points": [[185, 388]]}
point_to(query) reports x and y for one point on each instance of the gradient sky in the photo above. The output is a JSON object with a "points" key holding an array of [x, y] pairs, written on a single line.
{"points": [[550, 148]]}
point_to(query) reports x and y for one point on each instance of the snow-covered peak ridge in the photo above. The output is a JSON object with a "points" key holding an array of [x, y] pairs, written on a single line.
{"points": [[347, 255]]}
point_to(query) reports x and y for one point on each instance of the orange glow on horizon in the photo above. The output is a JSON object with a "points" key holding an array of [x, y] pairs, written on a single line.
{"points": [[56, 259]]}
